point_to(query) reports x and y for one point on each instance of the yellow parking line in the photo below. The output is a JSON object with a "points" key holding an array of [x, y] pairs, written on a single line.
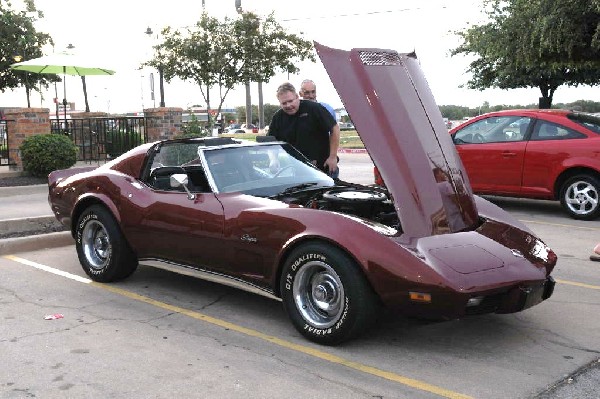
{"points": [[583, 285], [410, 382]]}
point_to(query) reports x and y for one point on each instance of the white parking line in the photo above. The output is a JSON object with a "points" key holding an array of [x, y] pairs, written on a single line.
{"points": [[310, 351], [49, 269]]}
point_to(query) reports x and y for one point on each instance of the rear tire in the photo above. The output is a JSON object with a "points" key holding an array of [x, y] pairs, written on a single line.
{"points": [[579, 196], [326, 295], [103, 252]]}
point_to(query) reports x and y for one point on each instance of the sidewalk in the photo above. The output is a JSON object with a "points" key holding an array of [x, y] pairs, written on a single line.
{"points": [[25, 209]]}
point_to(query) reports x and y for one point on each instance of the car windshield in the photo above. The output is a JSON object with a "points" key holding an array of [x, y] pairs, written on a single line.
{"points": [[265, 170], [262, 170]]}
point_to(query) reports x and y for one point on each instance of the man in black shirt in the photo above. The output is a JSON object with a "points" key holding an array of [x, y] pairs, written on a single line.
{"points": [[307, 126]]}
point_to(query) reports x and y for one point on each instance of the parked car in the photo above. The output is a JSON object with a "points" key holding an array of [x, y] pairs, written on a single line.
{"points": [[543, 154], [334, 252], [250, 128], [346, 126], [234, 128]]}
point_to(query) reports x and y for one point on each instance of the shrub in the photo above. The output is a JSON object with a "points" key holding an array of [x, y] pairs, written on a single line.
{"points": [[44, 153], [193, 128]]}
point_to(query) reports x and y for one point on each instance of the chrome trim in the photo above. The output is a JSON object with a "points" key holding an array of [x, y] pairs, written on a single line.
{"points": [[209, 275]]}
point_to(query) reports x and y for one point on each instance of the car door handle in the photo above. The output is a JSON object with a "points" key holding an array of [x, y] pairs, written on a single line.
{"points": [[509, 154]]}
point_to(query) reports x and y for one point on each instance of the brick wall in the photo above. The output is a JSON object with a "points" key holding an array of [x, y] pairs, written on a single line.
{"points": [[163, 123], [22, 123]]}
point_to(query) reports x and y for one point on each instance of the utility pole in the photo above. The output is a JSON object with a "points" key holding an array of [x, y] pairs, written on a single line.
{"points": [[161, 85], [238, 8]]}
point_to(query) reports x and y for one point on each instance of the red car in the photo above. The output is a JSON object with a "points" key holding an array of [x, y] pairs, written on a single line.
{"points": [[543, 154], [334, 252]]}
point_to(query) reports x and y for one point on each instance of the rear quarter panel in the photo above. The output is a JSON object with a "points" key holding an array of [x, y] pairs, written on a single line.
{"points": [[545, 161]]}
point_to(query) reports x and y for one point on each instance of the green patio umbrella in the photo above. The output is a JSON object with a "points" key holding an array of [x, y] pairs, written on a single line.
{"points": [[65, 64]]}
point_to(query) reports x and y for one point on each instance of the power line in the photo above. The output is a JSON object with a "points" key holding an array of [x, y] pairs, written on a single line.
{"points": [[358, 14]]}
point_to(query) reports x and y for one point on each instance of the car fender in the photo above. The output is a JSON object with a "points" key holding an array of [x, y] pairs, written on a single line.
{"points": [[576, 163], [86, 200], [383, 261], [569, 167]]}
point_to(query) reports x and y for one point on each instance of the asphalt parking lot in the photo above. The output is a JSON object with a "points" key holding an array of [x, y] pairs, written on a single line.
{"points": [[166, 334]]}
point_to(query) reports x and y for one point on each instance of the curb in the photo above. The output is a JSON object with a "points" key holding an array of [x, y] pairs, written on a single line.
{"points": [[351, 151], [35, 242], [23, 190], [29, 224]]}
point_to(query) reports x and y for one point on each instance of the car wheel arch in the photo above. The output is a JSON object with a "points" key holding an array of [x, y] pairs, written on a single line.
{"points": [[88, 201], [567, 174], [289, 249]]}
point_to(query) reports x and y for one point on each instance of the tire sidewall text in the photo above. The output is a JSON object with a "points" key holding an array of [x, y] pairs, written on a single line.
{"points": [[287, 288]]}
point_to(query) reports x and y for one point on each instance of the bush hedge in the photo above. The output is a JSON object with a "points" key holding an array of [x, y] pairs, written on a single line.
{"points": [[44, 153]]}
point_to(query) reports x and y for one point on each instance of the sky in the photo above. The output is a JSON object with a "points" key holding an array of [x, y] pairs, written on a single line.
{"points": [[112, 33]]}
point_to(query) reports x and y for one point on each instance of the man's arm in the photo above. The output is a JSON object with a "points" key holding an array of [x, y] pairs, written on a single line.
{"points": [[334, 144]]}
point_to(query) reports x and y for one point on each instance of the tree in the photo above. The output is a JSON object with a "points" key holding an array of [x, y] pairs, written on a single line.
{"points": [[534, 43], [18, 37], [270, 110], [221, 54]]}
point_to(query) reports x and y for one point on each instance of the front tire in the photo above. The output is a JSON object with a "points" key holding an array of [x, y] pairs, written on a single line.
{"points": [[326, 295], [579, 196], [103, 252]]}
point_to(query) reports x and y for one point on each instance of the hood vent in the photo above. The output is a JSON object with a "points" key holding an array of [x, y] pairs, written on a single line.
{"points": [[379, 58]]}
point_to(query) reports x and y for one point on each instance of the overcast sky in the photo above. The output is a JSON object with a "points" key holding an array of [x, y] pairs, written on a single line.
{"points": [[112, 31]]}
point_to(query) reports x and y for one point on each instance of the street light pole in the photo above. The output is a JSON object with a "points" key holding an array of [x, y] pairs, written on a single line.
{"points": [[161, 86], [161, 104], [238, 8]]}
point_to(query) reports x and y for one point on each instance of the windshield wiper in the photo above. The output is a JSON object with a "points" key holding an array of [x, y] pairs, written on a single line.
{"points": [[293, 189]]}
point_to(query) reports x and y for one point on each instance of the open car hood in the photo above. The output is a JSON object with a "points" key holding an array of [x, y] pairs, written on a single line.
{"points": [[393, 109]]}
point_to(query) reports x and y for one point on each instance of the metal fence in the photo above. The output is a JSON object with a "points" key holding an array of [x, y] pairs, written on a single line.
{"points": [[100, 139], [4, 159]]}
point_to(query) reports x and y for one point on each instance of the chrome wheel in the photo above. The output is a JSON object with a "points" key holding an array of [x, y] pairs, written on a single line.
{"points": [[319, 294], [581, 197], [96, 245]]}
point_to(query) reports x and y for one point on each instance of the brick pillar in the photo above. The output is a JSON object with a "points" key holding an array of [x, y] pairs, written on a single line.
{"points": [[163, 123], [23, 123]]}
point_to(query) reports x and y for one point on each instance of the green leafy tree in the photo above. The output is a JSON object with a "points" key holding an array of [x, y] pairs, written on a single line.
{"points": [[18, 37], [263, 47], [534, 43], [270, 110], [193, 128], [222, 54]]}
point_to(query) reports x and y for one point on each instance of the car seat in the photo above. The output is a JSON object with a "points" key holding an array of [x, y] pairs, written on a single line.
{"points": [[523, 129], [547, 130], [160, 178]]}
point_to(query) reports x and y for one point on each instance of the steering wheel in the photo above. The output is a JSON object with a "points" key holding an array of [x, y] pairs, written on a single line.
{"points": [[478, 138], [283, 169]]}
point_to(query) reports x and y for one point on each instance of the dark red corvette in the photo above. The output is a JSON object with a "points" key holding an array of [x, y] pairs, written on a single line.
{"points": [[333, 251]]}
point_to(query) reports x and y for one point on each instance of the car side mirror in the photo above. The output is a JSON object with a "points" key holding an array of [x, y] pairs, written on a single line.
{"points": [[181, 180]]}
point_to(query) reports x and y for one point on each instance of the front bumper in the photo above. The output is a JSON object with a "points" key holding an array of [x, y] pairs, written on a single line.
{"points": [[521, 298]]}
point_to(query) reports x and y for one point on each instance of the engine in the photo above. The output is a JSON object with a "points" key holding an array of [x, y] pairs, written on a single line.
{"points": [[367, 202]]}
